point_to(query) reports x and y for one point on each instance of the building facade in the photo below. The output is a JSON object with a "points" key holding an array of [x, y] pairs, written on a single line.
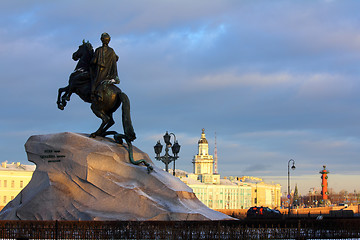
{"points": [[228, 192], [223, 196], [13, 178]]}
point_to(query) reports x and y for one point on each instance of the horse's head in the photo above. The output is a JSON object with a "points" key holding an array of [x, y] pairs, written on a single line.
{"points": [[85, 51]]}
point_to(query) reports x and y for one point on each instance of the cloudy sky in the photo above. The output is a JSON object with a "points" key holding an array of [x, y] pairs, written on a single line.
{"points": [[276, 80]]}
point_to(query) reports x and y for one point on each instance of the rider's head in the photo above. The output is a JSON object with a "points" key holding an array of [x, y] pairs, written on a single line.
{"points": [[105, 38]]}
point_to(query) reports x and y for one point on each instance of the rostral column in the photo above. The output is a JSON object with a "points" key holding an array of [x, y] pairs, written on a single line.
{"points": [[324, 184]]}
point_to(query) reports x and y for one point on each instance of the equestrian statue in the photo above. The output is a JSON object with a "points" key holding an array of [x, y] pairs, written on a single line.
{"points": [[93, 80]]}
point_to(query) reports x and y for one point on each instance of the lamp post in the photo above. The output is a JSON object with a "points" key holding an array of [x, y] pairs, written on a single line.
{"points": [[293, 168], [256, 202], [167, 158]]}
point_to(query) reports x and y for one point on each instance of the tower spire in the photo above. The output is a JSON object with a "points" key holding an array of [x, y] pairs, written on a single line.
{"points": [[215, 158]]}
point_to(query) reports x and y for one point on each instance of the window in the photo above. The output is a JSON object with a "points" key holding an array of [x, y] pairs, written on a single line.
{"points": [[12, 184], [5, 198], [21, 184], [5, 183], [12, 197]]}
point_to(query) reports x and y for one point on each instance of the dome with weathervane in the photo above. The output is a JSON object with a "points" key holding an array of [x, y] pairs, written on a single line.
{"points": [[203, 138]]}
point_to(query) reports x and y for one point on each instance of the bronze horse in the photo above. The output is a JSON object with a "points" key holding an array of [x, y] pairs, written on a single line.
{"points": [[112, 98]]}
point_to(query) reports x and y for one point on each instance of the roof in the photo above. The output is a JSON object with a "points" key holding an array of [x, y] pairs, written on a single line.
{"points": [[16, 167], [226, 182]]}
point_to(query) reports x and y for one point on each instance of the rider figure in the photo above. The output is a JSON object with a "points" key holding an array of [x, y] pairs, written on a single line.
{"points": [[105, 67]]}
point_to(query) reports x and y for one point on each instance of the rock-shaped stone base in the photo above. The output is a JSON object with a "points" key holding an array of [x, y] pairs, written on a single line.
{"points": [[81, 178]]}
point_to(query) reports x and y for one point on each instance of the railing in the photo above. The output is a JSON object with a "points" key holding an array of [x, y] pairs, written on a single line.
{"points": [[242, 229]]}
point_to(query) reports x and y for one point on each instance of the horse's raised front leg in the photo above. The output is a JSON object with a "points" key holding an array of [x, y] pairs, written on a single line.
{"points": [[62, 103], [67, 95]]}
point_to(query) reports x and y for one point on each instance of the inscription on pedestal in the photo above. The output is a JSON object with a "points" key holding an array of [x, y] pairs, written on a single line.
{"points": [[52, 155]]}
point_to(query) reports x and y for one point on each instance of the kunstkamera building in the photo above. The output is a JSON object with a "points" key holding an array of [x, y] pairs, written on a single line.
{"points": [[228, 192]]}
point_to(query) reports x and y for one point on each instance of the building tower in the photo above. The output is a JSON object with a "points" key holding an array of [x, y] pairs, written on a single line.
{"points": [[203, 162], [324, 184], [215, 158]]}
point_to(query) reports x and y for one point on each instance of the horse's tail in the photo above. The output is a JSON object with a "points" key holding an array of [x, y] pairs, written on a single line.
{"points": [[126, 118]]}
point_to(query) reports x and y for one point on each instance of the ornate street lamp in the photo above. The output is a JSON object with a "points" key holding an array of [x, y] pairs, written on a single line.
{"points": [[293, 168], [167, 158]]}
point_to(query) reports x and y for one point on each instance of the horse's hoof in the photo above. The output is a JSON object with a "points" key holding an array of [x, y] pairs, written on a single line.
{"points": [[61, 107], [118, 139]]}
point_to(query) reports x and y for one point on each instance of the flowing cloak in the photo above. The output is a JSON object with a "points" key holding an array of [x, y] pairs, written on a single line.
{"points": [[105, 65]]}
